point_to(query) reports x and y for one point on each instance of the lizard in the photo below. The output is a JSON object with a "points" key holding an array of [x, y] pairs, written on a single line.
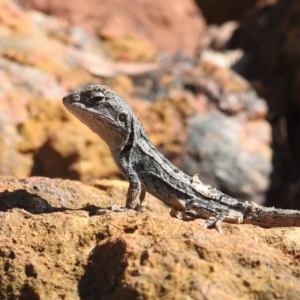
{"points": [[147, 170]]}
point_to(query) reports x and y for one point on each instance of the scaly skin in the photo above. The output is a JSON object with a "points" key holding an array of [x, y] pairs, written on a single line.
{"points": [[147, 170]]}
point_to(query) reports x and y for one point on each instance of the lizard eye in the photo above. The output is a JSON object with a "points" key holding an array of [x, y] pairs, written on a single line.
{"points": [[98, 97], [122, 117]]}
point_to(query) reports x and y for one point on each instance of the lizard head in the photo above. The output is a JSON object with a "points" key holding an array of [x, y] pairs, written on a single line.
{"points": [[105, 113]]}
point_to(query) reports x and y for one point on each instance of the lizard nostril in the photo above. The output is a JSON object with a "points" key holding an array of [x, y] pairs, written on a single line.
{"points": [[76, 97], [71, 97], [67, 97]]}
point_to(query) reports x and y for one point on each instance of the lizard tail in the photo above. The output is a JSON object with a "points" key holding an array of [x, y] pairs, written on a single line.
{"points": [[272, 217]]}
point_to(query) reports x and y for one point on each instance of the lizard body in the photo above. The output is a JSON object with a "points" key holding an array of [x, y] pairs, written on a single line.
{"points": [[147, 170]]}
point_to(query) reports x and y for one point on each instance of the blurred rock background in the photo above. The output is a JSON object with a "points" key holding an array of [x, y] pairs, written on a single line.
{"points": [[215, 84]]}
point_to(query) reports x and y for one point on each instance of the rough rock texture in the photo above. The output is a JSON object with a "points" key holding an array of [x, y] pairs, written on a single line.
{"points": [[53, 246], [167, 27]]}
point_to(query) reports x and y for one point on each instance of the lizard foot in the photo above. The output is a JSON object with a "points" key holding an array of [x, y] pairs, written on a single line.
{"points": [[183, 215], [113, 208], [215, 222], [229, 216]]}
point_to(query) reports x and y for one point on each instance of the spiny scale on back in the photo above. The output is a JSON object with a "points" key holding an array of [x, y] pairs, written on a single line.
{"points": [[147, 170]]}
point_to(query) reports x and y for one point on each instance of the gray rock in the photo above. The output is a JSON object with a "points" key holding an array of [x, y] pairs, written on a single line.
{"points": [[216, 152]]}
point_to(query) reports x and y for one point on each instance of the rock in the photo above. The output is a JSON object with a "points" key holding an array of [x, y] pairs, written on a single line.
{"points": [[62, 146], [52, 245], [37, 83], [154, 23], [229, 91], [228, 154], [31, 92], [228, 140], [20, 85]]}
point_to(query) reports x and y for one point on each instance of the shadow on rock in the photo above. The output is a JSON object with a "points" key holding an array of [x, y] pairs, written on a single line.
{"points": [[21, 198], [104, 274], [35, 204]]}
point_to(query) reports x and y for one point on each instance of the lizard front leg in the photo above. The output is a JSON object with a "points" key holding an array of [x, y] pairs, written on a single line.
{"points": [[136, 194], [143, 198]]}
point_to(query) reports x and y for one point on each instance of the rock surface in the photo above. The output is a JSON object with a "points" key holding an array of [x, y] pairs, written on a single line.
{"points": [[176, 27], [53, 246], [230, 140]]}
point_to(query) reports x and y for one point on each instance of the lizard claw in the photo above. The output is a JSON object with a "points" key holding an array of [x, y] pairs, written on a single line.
{"points": [[216, 222], [230, 216], [176, 214], [117, 208]]}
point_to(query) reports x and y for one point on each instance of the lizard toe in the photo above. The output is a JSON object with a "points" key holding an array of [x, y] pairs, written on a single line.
{"points": [[113, 208]]}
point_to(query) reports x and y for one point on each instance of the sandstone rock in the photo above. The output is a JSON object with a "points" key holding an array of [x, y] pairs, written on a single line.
{"points": [[62, 146], [25, 82], [52, 245], [167, 27], [231, 93]]}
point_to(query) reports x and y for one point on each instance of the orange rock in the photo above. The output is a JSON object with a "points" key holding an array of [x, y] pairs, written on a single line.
{"points": [[52, 245], [167, 27]]}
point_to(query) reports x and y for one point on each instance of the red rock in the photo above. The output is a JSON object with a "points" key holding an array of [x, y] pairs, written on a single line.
{"points": [[168, 27]]}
